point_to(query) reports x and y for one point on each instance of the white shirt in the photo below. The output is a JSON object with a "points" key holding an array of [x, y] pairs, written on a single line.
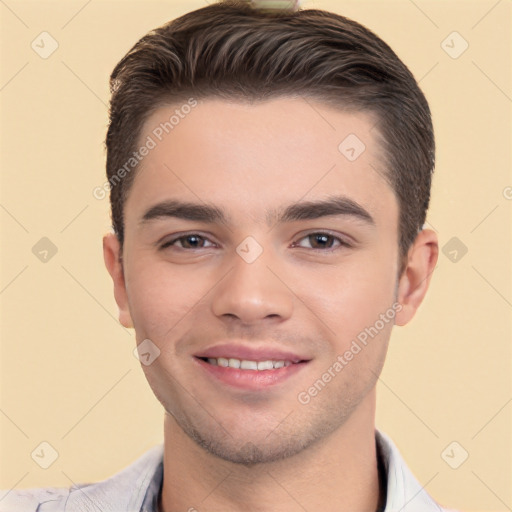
{"points": [[137, 487]]}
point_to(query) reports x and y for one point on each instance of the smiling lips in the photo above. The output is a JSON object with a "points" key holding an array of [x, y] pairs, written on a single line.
{"points": [[248, 367], [244, 364]]}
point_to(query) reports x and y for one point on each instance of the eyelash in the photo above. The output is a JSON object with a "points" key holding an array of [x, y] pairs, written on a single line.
{"points": [[342, 242]]}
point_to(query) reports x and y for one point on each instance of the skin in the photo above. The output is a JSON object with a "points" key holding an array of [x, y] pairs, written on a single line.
{"points": [[228, 449]]}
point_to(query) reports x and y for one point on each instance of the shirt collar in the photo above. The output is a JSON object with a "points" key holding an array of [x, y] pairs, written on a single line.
{"points": [[404, 492]]}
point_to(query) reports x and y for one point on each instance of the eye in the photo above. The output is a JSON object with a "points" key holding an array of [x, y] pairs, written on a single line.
{"points": [[322, 241], [189, 241]]}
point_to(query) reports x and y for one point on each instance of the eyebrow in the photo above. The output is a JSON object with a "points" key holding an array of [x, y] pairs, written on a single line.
{"points": [[306, 210]]}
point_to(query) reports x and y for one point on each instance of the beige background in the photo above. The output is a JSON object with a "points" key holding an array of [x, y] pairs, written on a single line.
{"points": [[68, 374]]}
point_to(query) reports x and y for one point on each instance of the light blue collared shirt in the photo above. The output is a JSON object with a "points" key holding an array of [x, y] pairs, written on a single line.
{"points": [[137, 488]]}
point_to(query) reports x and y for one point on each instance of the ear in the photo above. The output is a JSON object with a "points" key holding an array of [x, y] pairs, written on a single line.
{"points": [[113, 262], [415, 279]]}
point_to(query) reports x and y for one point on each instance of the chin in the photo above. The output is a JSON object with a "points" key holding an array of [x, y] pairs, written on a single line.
{"points": [[249, 453]]}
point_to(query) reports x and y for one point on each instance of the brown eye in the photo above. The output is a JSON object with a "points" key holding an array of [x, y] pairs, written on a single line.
{"points": [[322, 241], [191, 241]]}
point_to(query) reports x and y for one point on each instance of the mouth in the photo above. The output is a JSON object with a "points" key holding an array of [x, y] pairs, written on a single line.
{"points": [[249, 374], [245, 364]]}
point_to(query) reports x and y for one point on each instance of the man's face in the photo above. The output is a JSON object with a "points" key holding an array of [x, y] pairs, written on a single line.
{"points": [[257, 287]]}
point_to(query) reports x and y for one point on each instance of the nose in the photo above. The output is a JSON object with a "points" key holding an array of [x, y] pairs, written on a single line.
{"points": [[252, 292]]}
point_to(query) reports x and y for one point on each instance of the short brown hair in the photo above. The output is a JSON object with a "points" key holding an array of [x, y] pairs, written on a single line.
{"points": [[234, 51]]}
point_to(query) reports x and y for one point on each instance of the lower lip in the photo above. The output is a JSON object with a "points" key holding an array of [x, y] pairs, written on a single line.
{"points": [[251, 379]]}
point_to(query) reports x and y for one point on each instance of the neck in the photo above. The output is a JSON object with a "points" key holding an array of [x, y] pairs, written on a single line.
{"points": [[338, 473]]}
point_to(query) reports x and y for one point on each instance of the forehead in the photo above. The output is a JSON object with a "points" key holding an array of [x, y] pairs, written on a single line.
{"points": [[252, 155]]}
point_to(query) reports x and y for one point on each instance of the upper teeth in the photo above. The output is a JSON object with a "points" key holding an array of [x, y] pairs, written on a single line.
{"points": [[247, 365]]}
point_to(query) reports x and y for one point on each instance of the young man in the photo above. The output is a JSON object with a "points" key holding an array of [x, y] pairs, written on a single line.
{"points": [[269, 174]]}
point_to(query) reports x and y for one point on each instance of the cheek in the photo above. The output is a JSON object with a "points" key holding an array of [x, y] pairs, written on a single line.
{"points": [[161, 297], [350, 297]]}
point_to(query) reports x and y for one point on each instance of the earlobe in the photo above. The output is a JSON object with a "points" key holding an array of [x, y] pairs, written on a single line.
{"points": [[415, 279], [111, 255]]}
